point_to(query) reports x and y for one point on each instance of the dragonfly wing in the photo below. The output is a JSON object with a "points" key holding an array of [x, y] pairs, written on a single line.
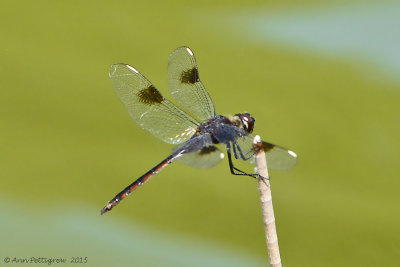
{"points": [[278, 157], [149, 108], [185, 85], [207, 157], [199, 152]]}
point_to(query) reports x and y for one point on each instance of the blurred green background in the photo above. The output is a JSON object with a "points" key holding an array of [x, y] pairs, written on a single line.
{"points": [[321, 78]]}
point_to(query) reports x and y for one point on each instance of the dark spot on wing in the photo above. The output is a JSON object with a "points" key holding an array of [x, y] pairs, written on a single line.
{"points": [[207, 150], [267, 146], [150, 96], [190, 76]]}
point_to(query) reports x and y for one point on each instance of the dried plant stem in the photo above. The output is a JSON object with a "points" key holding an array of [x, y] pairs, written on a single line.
{"points": [[266, 205]]}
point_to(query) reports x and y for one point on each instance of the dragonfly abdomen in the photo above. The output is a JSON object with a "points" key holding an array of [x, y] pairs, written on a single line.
{"points": [[141, 180]]}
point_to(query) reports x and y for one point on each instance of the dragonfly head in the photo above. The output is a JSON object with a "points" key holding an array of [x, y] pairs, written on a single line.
{"points": [[244, 121]]}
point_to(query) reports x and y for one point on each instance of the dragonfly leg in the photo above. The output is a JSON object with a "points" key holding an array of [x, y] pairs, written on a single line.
{"points": [[233, 169], [234, 151], [242, 156]]}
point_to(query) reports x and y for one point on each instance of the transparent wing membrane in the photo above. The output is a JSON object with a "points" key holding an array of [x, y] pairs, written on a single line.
{"points": [[278, 158], [185, 85], [149, 108], [207, 157]]}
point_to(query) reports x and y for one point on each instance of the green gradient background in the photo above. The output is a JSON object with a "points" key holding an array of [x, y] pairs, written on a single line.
{"points": [[68, 145]]}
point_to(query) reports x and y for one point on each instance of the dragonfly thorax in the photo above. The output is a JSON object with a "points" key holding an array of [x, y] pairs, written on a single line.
{"points": [[225, 130], [212, 124]]}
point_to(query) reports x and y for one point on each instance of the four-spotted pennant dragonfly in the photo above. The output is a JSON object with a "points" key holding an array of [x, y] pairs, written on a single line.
{"points": [[197, 130]]}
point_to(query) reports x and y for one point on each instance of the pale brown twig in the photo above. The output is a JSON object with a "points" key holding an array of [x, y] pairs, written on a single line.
{"points": [[266, 205]]}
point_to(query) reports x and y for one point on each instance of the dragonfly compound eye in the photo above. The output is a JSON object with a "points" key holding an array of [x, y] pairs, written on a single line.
{"points": [[247, 121]]}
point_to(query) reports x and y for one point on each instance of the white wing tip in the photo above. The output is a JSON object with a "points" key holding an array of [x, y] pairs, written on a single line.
{"points": [[189, 51], [131, 68], [292, 153], [119, 69]]}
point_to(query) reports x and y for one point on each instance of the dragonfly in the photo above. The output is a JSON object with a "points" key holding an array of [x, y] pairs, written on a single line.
{"points": [[192, 125]]}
